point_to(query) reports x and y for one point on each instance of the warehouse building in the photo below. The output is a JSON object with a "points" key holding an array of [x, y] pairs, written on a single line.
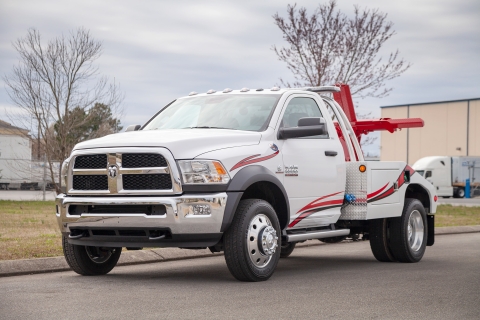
{"points": [[452, 128], [15, 155]]}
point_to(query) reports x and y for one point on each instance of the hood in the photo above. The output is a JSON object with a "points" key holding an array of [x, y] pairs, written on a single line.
{"points": [[183, 143]]}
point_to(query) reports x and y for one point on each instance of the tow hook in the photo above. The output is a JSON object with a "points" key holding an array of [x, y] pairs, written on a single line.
{"points": [[76, 236], [156, 235]]}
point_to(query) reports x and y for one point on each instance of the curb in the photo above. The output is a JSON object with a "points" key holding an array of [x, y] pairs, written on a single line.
{"points": [[55, 264]]}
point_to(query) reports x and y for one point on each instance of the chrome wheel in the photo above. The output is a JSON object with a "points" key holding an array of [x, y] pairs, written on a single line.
{"points": [[262, 240], [415, 230], [99, 254]]}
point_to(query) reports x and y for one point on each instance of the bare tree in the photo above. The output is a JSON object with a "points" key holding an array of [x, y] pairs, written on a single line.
{"points": [[53, 79], [328, 47]]}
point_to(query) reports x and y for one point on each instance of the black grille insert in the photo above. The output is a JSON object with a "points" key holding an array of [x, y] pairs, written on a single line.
{"points": [[143, 160], [147, 182], [91, 161], [114, 209], [90, 182]]}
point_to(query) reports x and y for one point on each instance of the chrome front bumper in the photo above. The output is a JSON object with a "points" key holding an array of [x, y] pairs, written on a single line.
{"points": [[178, 219]]}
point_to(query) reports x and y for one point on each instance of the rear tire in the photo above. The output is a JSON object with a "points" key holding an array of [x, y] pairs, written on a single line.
{"points": [[287, 249], [409, 233], [378, 231], [251, 243], [459, 193], [90, 261]]}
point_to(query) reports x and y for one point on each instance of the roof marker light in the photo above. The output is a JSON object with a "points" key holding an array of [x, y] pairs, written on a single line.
{"points": [[192, 93], [211, 91], [275, 89], [260, 89], [227, 90], [244, 90]]}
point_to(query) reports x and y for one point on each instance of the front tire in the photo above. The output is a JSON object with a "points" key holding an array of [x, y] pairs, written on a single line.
{"points": [[408, 233], [90, 261], [251, 243]]}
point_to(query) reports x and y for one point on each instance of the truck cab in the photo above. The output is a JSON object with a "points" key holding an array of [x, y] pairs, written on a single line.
{"points": [[438, 171], [247, 172]]}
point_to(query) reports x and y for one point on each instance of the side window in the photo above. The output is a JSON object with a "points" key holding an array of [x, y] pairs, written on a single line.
{"points": [[301, 108], [428, 174]]}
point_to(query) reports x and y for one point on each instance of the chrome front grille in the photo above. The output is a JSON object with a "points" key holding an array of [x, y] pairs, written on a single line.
{"points": [[125, 171]]}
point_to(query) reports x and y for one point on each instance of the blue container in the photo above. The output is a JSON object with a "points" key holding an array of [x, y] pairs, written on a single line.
{"points": [[467, 188]]}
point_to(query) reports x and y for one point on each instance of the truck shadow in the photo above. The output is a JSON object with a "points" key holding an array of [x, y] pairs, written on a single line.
{"points": [[214, 270]]}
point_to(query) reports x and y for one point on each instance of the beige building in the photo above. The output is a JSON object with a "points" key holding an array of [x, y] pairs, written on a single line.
{"points": [[452, 128]]}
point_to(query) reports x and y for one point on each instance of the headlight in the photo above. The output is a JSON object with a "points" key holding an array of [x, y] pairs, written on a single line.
{"points": [[64, 173], [203, 171]]}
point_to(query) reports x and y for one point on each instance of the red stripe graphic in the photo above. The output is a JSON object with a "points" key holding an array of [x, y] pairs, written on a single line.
{"points": [[325, 205], [316, 206], [400, 181], [373, 194], [253, 159], [313, 204]]}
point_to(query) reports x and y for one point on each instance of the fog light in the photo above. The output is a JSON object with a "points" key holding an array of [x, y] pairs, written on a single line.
{"points": [[200, 210]]}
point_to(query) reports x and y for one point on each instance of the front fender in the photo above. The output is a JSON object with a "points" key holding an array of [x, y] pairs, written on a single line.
{"points": [[242, 180]]}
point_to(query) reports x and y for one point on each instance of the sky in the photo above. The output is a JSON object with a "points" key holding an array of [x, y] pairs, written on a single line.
{"points": [[161, 50]]}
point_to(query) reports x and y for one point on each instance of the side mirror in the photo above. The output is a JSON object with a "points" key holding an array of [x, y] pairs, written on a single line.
{"points": [[307, 127], [133, 127]]}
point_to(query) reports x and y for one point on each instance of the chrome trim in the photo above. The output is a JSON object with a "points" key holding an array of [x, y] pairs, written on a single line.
{"points": [[115, 185], [87, 172], [174, 219], [317, 235]]}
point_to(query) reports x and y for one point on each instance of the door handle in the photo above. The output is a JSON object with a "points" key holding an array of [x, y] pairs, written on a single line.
{"points": [[331, 153]]}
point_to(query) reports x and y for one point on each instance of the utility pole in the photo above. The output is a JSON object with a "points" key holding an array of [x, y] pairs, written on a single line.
{"points": [[44, 175], [38, 140]]}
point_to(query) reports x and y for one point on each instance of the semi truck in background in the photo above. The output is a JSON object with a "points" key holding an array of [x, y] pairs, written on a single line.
{"points": [[449, 174]]}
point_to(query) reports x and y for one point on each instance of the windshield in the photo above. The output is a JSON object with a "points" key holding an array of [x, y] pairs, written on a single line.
{"points": [[420, 172], [227, 111]]}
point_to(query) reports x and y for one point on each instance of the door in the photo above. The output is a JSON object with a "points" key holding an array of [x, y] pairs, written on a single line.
{"points": [[314, 168]]}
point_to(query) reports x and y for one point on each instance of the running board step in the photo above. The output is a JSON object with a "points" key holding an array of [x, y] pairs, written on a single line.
{"points": [[317, 235]]}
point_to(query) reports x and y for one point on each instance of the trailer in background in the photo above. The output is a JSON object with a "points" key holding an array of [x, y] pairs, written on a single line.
{"points": [[449, 174]]}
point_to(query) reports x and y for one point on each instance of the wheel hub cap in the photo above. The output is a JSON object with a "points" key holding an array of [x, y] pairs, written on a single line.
{"points": [[262, 240], [269, 241], [415, 230]]}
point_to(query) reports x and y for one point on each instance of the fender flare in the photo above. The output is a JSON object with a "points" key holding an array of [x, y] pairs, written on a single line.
{"points": [[244, 178]]}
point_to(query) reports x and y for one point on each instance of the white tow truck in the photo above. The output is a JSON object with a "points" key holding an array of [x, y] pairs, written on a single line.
{"points": [[247, 172]]}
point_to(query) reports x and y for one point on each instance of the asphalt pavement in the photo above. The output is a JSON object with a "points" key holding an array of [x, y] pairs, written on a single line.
{"points": [[341, 281]]}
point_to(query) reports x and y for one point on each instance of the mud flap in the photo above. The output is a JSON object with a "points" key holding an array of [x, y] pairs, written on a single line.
{"points": [[431, 230]]}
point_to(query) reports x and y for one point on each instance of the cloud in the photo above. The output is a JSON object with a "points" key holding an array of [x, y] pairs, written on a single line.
{"points": [[160, 50]]}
